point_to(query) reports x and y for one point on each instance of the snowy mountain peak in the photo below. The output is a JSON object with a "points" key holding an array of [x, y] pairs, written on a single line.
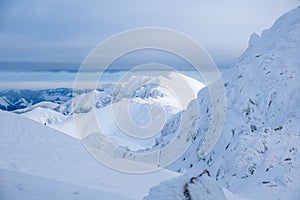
{"points": [[255, 154], [283, 36]]}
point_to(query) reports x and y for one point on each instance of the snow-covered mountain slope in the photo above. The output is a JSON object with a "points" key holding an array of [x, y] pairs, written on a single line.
{"points": [[257, 154], [51, 118], [47, 158], [142, 92], [45, 115]]}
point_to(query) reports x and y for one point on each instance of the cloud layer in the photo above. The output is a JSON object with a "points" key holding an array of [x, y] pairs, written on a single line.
{"points": [[65, 31]]}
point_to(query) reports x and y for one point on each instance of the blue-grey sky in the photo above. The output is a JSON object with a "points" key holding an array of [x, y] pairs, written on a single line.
{"points": [[66, 31]]}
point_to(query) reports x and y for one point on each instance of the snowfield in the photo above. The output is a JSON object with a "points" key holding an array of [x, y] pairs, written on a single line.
{"points": [[17, 185], [54, 162]]}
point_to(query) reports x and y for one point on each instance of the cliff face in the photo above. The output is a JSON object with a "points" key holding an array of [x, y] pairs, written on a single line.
{"points": [[258, 152]]}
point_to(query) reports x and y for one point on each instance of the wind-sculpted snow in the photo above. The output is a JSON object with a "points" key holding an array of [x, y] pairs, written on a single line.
{"points": [[258, 152]]}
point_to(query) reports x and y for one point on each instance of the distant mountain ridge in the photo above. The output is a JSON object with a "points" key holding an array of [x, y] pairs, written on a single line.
{"points": [[38, 66]]}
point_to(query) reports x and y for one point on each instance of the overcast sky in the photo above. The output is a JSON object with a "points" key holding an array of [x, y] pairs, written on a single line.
{"points": [[66, 31]]}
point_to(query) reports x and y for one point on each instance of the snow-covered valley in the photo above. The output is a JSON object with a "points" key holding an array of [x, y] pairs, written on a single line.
{"points": [[256, 157]]}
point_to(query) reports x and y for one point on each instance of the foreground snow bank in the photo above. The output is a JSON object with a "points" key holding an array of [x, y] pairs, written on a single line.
{"points": [[45, 157], [15, 185]]}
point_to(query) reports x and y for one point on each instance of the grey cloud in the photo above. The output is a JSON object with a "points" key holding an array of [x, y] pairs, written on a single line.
{"points": [[65, 31]]}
